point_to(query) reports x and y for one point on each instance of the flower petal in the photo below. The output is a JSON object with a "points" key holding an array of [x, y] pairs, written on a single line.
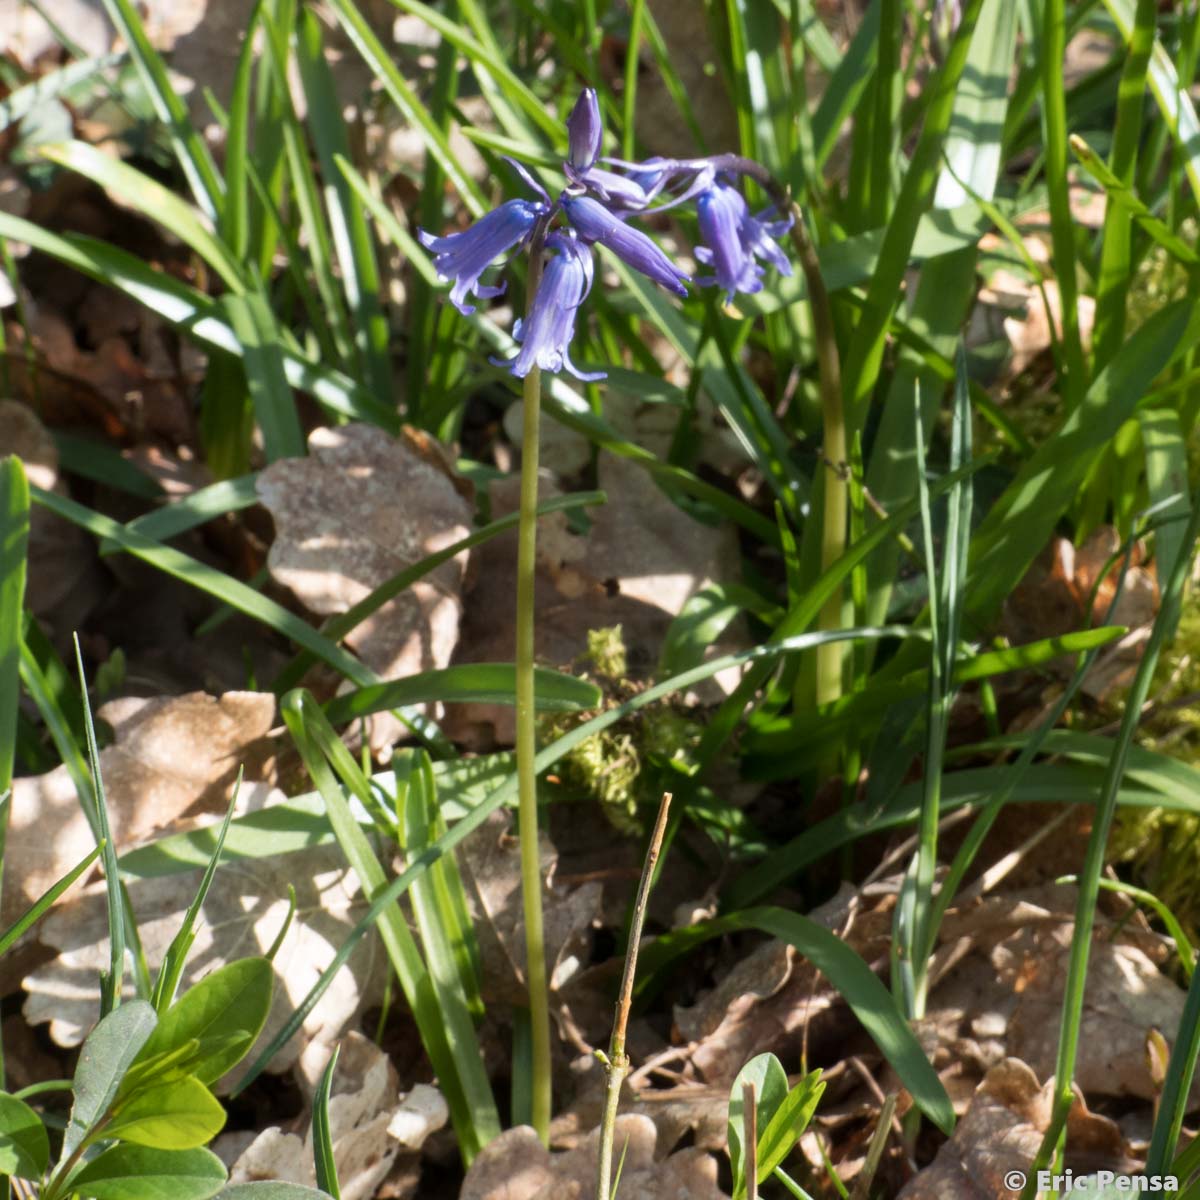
{"points": [[595, 223], [463, 257], [584, 131]]}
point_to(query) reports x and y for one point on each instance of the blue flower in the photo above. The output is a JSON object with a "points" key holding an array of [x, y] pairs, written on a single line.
{"points": [[733, 240], [545, 337], [594, 223], [584, 131], [465, 256]]}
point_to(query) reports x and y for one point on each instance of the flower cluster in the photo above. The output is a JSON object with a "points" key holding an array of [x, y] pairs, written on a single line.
{"points": [[597, 205]]}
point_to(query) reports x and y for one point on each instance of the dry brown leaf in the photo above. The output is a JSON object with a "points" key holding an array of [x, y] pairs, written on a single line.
{"points": [[516, 1166], [362, 507], [242, 915], [370, 1124], [999, 977], [173, 757], [1001, 1133], [64, 582]]}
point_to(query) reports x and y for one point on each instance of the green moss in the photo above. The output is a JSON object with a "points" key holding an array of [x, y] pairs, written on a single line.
{"points": [[620, 767]]}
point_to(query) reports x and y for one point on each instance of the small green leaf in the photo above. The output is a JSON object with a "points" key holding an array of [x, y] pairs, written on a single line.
{"points": [[129, 1172], [233, 1000], [107, 1054], [179, 1115], [789, 1122], [770, 1091], [322, 1137], [24, 1147]]}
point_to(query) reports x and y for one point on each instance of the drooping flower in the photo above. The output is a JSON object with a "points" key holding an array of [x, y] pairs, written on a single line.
{"points": [[733, 240], [545, 337], [463, 257], [595, 223], [584, 131]]}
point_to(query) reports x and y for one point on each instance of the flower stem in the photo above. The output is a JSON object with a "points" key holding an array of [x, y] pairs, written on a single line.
{"points": [[527, 814]]}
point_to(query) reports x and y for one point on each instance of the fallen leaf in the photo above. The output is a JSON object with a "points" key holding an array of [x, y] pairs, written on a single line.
{"points": [[173, 756], [1001, 1132], [360, 508], [516, 1166], [370, 1124]]}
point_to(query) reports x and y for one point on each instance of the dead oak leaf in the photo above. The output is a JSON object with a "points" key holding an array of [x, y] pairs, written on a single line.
{"points": [[1001, 1133], [360, 508], [370, 1123], [516, 1166], [173, 757]]}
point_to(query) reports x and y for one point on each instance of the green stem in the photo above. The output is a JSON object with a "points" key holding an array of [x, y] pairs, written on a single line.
{"points": [[527, 814], [835, 506]]}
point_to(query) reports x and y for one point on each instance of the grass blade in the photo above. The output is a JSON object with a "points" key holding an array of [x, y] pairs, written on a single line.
{"points": [[191, 151], [480, 683], [153, 200], [322, 752], [351, 233]]}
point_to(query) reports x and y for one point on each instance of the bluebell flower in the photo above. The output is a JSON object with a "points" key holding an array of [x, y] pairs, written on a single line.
{"points": [[545, 338], [584, 131], [465, 256], [595, 223], [733, 240]]}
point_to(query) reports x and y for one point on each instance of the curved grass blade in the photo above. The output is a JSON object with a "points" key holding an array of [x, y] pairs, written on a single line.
{"points": [[25, 922], [21, 102], [152, 200], [322, 1138], [855, 982], [478, 683]]}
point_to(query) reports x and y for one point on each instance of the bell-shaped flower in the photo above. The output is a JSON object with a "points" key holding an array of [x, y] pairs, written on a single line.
{"points": [[584, 131], [463, 257], [594, 223], [545, 336], [733, 240]]}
